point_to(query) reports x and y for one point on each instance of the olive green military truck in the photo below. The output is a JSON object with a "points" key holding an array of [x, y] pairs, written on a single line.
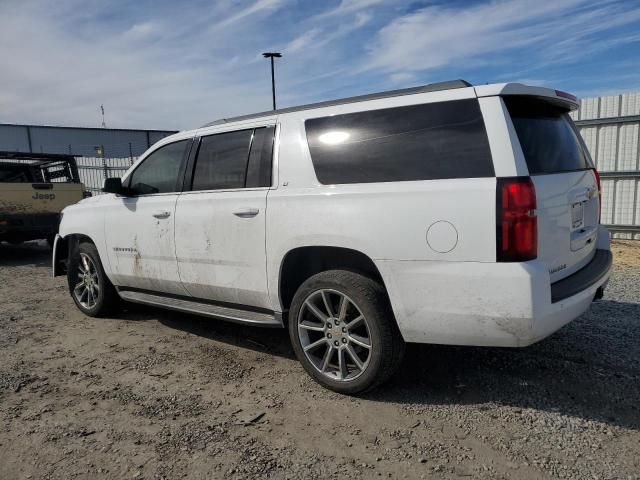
{"points": [[34, 188]]}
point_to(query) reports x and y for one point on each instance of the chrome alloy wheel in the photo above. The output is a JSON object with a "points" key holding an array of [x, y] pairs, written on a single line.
{"points": [[334, 335], [88, 287]]}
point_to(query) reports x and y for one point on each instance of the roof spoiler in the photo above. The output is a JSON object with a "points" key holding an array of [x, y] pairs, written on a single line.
{"points": [[558, 97]]}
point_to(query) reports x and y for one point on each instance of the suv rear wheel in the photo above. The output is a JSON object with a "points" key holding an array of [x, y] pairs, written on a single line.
{"points": [[343, 331], [90, 288]]}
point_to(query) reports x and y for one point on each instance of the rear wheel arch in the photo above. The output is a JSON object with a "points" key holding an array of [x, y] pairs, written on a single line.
{"points": [[301, 263]]}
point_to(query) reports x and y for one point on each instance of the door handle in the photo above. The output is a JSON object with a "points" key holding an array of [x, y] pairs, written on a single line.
{"points": [[161, 214], [246, 212]]}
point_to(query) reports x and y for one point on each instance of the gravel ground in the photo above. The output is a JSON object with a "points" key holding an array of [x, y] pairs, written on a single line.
{"points": [[155, 394]]}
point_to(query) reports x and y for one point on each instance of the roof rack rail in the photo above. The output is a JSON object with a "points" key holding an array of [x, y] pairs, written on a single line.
{"points": [[432, 87]]}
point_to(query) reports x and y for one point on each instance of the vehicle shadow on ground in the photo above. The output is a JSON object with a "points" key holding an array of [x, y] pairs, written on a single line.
{"points": [[589, 369], [36, 253], [261, 339]]}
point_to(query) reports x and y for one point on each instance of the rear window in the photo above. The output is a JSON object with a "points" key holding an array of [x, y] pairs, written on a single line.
{"points": [[415, 142], [549, 139]]}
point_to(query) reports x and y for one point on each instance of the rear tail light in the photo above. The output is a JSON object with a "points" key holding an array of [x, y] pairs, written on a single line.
{"points": [[595, 172], [517, 225]]}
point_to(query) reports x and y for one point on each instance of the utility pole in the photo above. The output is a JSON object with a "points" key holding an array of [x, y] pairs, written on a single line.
{"points": [[272, 55], [104, 125]]}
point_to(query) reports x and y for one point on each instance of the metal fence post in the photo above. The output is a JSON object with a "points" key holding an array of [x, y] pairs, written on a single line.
{"points": [[130, 154], [104, 162], [29, 138]]}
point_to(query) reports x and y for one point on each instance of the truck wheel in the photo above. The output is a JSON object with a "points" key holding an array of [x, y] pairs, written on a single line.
{"points": [[343, 331], [90, 288]]}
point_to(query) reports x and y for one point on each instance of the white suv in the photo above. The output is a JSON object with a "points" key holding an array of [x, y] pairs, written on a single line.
{"points": [[447, 214]]}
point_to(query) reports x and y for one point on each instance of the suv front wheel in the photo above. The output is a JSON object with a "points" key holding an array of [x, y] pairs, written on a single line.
{"points": [[90, 288], [343, 331]]}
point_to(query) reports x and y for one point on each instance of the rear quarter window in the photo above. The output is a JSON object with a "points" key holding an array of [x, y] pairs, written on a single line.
{"points": [[549, 139], [415, 142]]}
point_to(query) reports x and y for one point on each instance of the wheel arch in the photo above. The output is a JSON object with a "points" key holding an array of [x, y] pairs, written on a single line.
{"points": [[64, 248], [300, 263]]}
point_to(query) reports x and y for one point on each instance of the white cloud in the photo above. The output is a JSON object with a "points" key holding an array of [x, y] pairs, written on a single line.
{"points": [[181, 64], [259, 6], [402, 77], [59, 75], [346, 7], [308, 39], [438, 36], [141, 30], [318, 37]]}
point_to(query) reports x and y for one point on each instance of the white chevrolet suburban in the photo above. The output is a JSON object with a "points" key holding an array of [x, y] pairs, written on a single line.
{"points": [[447, 214]]}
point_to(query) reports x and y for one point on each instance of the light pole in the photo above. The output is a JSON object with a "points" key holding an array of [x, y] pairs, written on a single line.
{"points": [[272, 55]]}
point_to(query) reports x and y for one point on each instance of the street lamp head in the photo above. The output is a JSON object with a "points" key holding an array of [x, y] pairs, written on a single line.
{"points": [[272, 55]]}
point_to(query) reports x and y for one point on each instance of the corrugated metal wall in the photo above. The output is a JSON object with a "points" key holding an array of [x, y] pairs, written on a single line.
{"points": [[80, 141], [610, 127]]}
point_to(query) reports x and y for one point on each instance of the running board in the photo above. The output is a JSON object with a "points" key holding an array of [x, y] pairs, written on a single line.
{"points": [[206, 309]]}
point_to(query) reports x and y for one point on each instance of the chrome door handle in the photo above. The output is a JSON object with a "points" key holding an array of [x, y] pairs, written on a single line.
{"points": [[246, 212], [161, 214]]}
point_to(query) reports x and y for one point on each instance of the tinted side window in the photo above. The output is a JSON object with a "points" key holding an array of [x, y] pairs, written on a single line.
{"points": [[415, 142], [548, 137], [159, 172], [222, 161], [260, 158]]}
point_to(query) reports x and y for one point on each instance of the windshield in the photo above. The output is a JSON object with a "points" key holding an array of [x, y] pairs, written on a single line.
{"points": [[548, 137]]}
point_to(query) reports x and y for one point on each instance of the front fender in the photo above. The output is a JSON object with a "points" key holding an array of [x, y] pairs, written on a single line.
{"points": [[59, 256]]}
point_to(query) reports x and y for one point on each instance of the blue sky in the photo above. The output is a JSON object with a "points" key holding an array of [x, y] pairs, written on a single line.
{"points": [[179, 64]]}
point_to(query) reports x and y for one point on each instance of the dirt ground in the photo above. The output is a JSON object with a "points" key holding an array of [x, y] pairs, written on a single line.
{"points": [[154, 394]]}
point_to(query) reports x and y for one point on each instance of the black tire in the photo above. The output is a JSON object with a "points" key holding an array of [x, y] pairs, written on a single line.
{"points": [[369, 297], [107, 299]]}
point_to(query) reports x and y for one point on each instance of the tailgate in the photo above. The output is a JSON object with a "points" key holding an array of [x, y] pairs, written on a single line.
{"points": [[27, 198], [568, 203], [567, 220]]}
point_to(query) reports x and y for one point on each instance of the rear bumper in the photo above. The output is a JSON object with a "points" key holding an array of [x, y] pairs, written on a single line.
{"points": [[583, 278], [488, 304]]}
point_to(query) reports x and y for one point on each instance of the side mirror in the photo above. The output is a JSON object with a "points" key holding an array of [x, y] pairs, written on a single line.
{"points": [[113, 185]]}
